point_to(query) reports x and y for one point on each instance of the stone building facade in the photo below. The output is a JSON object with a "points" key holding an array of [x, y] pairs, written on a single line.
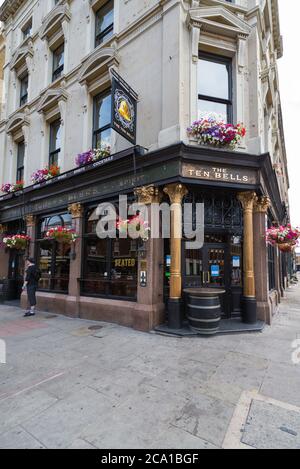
{"points": [[183, 58]]}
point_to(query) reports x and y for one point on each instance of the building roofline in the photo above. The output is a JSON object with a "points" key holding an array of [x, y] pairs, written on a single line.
{"points": [[9, 7]]}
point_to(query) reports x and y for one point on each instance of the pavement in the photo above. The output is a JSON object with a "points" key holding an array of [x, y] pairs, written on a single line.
{"points": [[71, 383]]}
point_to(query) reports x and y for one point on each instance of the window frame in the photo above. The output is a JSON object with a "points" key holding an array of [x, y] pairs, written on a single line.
{"points": [[20, 168], [98, 131], [39, 240], [228, 102], [24, 97], [53, 153], [108, 261], [58, 71], [100, 37]]}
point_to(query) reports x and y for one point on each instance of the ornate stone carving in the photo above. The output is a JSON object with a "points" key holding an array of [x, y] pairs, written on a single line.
{"points": [[148, 195], [247, 200], [176, 192], [76, 210], [30, 220], [262, 205], [3, 229]]}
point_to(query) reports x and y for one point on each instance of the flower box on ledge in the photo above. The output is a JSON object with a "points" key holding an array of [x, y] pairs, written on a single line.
{"points": [[44, 175], [12, 188], [216, 134], [92, 156]]}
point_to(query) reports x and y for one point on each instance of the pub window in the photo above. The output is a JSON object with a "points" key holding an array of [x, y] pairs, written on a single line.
{"points": [[102, 120], [53, 257], [55, 142], [110, 265], [20, 162], [271, 262], [214, 87], [104, 22]]}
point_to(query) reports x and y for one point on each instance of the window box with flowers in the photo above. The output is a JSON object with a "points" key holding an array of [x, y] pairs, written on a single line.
{"points": [[18, 242], [92, 156], [284, 237], [11, 188], [217, 134], [43, 175], [61, 235]]}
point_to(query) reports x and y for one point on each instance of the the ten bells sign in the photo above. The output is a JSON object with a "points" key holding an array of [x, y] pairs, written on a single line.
{"points": [[215, 173]]}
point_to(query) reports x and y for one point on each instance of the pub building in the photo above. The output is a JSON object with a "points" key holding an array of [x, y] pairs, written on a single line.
{"points": [[101, 279], [123, 281]]}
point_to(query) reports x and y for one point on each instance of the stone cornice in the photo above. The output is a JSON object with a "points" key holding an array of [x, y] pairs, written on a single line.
{"points": [[9, 7]]}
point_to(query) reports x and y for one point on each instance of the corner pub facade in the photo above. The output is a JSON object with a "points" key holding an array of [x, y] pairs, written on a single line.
{"points": [[183, 58]]}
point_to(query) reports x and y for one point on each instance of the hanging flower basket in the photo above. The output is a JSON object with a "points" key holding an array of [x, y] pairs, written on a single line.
{"points": [[92, 156], [62, 235], [43, 175], [286, 247], [216, 133], [11, 188], [285, 237], [18, 242], [137, 224]]}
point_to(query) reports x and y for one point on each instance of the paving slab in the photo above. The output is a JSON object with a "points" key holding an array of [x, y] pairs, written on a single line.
{"points": [[272, 427]]}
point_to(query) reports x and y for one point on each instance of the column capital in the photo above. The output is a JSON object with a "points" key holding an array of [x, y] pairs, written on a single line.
{"points": [[76, 210], [176, 192], [30, 220], [262, 205], [3, 229], [148, 195], [247, 200]]}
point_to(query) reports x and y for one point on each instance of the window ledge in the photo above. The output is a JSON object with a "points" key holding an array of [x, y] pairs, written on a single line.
{"points": [[194, 142]]}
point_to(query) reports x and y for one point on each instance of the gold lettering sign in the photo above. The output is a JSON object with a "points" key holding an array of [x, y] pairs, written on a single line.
{"points": [[125, 262], [222, 174]]}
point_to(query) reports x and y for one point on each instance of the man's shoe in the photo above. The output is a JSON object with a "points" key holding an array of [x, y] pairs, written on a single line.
{"points": [[29, 314]]}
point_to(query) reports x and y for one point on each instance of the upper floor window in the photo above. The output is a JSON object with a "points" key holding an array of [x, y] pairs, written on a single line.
{"points": [[215, 87], [58, 62], [104, 22], [20, 162], [24, 89], [102, 120], [55, 142], [27, 30]]}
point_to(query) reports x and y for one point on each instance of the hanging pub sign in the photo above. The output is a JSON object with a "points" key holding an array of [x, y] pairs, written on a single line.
{"points": [[124, 108]]}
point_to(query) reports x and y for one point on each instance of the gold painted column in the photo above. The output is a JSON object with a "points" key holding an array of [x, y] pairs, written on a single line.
{"points": [[261, 208], [176, 193], [249, 308], [150, 308], [73, 300]]}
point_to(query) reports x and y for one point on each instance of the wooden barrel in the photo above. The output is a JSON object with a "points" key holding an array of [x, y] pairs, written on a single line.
{"points": [[204, 310]]}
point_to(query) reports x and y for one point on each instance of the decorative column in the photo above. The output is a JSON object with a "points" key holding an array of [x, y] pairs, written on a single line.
{"points": [[176, 193], [31, 231], [150, 303], [261, 207], [249, 309], [73, 300]]}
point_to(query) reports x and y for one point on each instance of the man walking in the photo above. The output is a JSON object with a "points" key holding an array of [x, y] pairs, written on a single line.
{"points": [[31, 284]]}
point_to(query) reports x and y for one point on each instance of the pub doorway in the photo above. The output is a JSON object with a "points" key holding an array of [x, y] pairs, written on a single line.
{"points": [[217, 265], [16, 274]]}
